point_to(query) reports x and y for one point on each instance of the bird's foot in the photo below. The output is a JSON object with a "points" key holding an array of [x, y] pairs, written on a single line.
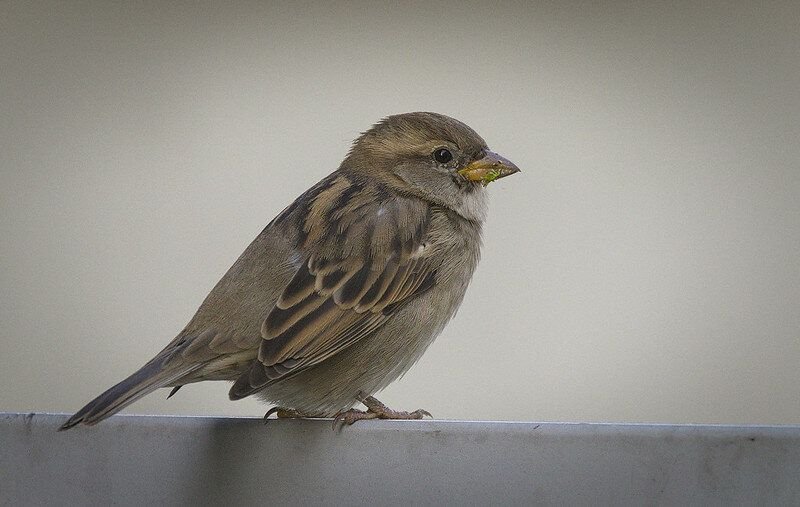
{"points": [[375, 410], [286, 413]]}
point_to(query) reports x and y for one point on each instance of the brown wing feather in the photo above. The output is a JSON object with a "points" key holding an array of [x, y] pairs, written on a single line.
{"points": [[364, 262]]}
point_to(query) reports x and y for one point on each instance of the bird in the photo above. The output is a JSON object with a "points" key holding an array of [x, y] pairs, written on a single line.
{"points": [[342, 292]]}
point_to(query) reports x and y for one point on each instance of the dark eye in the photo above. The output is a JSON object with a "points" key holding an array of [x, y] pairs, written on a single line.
{"points": [[442, 155]]}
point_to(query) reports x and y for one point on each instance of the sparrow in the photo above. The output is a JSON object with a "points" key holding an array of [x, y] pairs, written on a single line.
{"points": [[344, 290]]}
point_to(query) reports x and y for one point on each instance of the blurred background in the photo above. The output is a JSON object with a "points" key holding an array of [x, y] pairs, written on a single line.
{"points": [[643, 267]]}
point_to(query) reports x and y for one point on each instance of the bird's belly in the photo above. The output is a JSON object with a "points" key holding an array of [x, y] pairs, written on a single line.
{"points": [[372, 363]]}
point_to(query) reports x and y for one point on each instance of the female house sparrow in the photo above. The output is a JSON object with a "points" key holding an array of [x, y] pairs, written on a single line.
{"points": [[345, 289]]}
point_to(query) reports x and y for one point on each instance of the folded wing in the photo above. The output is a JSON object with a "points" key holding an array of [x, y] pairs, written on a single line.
{"points": [[366, 257]]}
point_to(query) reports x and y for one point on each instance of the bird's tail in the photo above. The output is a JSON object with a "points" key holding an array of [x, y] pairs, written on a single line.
{"points": [[149, 378]]}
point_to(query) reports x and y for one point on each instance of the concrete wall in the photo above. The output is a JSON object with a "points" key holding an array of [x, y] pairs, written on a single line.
{"points": [[206, 461]]}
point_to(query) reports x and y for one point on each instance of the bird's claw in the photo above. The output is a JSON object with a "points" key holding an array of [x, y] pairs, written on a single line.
{"points": [[375, 410], [284, 413], [348, 417], [269, 413]]}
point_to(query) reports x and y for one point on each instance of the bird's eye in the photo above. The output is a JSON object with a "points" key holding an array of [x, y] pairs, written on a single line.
{"points": [[442, 155]]}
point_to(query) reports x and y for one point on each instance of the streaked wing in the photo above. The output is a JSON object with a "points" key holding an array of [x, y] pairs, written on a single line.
{"points": [[366, 258]]}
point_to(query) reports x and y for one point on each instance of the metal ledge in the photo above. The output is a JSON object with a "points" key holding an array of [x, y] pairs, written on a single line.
{"points": [[137, 460]]}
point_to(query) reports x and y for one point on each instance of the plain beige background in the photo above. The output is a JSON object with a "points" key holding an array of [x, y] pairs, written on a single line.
{"points": [[643, 267]]}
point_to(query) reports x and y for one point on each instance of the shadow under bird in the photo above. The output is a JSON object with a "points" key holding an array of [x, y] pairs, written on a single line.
{"points": [[345, 289]]}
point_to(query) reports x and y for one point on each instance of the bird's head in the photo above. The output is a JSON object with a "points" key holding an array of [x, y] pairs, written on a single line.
{"points": [[428, 155]]}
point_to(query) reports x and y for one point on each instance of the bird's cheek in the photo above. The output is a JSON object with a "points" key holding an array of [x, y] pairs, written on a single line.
{"points": [[413, 175]]}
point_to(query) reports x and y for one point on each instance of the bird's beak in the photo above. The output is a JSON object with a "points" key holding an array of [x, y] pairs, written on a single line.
{"points": [[489, 168]]}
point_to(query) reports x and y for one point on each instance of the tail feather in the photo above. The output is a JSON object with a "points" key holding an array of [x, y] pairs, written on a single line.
{"points": [[146, 380]]}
